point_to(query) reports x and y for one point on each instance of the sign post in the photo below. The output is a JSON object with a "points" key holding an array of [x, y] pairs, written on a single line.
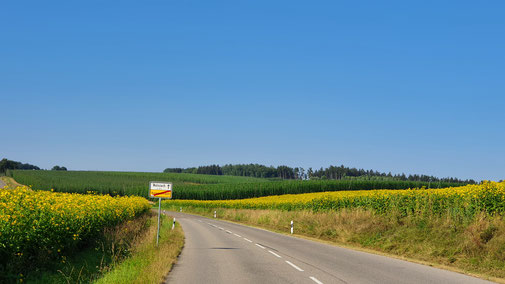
{"points": [[160, 189]]}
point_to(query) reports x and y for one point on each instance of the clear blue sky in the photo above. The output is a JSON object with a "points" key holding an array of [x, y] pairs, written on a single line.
{"points": [[143, 85]]}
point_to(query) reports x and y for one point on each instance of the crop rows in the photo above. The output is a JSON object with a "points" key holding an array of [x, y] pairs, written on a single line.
{"points": [[194, 186], [463, 201], [115, 183], [250, 190]]}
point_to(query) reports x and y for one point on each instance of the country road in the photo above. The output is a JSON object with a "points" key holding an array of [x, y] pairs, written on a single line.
{"points": [[222, 252], [2, 184]]}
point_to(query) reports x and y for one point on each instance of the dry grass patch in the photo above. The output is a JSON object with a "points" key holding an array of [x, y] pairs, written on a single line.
{"points": [[10, 182]]}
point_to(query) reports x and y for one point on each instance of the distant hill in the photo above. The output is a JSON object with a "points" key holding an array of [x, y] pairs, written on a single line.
{"points": [[116, 183], [199, 186]]}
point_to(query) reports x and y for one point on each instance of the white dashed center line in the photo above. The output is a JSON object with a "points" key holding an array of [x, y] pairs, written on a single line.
{"points": [[260, 246], [294, 266], [315, 280], [275, 254]]}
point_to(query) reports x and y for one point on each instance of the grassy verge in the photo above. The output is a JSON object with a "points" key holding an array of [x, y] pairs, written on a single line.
{"points": [[149, 264], [10, 182], [126, 253], [474, 246]]}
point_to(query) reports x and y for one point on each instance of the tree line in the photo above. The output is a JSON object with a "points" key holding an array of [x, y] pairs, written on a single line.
{"points": [[6, 164], [286, 172]]}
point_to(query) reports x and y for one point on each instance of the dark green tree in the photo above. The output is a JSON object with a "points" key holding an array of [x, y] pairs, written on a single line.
{"points": [[58, 168]]}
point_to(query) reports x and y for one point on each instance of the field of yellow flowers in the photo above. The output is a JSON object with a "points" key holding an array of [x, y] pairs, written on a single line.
{"points": [[458, 201], [42, 223]]}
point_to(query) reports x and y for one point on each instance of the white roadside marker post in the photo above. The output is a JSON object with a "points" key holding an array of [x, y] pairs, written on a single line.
{"points": [[215, 214], [291, 226], [173, 224], [180, 209]]}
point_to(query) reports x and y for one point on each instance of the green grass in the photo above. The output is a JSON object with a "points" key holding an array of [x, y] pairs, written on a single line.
{"points": [[195, 186], [81, 267], [150, 263]]}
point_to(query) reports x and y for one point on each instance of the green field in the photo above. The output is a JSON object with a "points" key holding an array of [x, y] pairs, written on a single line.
{"points": [[117, 183], [195, 186], [249, 190]]}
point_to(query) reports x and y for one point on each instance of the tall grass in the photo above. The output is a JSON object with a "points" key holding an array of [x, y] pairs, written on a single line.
{"points": [[149, 263]]}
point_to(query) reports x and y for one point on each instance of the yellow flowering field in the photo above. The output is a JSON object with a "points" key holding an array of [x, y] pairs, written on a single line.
{"points": [[42, 223], [465, 200]]}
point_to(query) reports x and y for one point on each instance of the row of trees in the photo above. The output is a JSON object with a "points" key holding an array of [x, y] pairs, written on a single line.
{"points": [[6, 164], [342, 172], [285, 172], [58, 168], [204, 170], [249, 170]]}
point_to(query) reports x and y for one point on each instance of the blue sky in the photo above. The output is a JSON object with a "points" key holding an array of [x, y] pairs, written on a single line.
{"points": [[127, 85]]}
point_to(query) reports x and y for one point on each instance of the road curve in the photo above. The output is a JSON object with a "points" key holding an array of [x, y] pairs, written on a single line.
{"points": [[222, 252]]}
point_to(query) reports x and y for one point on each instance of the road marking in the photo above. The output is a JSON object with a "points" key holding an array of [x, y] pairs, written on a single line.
{"points": [[248, 240], [220, 228], [260, 246], [229, 232], [237, 235], [275, 254], [294, 266], [315, 280]]}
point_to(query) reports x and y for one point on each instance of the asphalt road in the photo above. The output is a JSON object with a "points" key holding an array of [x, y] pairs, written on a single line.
{"points": [[222, 252]]}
